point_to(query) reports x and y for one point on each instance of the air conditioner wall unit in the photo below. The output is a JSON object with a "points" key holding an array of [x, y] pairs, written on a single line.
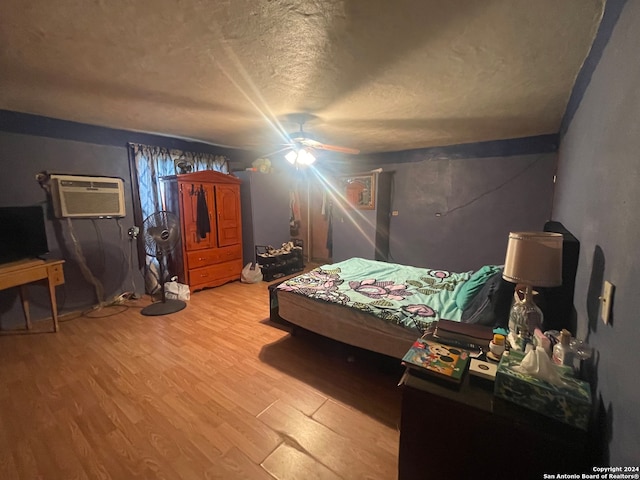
{"points": [[87, 197]]}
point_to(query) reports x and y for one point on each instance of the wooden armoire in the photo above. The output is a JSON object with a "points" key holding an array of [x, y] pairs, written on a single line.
{"points": [[211, 248]]}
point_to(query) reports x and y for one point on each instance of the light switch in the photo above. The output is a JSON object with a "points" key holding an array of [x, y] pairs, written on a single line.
{"points": [[606, 301]]}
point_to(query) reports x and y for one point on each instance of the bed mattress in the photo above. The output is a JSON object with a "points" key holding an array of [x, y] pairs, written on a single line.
{"points": [[374, 305], [347, 325]]}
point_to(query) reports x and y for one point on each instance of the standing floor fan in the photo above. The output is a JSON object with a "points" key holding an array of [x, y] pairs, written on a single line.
{"points": [[161, 234]]}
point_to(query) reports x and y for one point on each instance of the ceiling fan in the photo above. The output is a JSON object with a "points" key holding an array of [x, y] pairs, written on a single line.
{"points": [[302, 146]]}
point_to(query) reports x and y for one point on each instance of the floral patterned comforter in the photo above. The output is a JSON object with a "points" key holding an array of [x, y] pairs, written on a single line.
{"points": [[408, 296]]}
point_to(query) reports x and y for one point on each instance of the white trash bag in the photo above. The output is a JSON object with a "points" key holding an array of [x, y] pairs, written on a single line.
{"points": [[176, 291], [251, 273]]}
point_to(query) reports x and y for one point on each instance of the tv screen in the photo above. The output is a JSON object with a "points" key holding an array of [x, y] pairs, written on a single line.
{"points": [[23, 233]]}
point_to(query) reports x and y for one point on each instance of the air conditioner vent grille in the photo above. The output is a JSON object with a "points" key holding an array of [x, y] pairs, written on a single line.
{"points": [[76, 196], [84, 184], [91, 203]]}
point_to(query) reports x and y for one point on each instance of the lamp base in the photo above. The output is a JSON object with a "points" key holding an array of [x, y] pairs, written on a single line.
{"points": [[525, 316]]}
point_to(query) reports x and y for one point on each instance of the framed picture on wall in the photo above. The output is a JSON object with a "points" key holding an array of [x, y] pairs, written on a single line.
{"points": [[359, 191]]}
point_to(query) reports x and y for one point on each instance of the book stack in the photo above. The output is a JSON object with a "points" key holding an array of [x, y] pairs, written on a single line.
{"points": [[434, 360], [464, 335]]}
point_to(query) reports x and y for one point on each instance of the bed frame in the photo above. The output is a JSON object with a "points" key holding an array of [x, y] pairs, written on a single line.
{"points": [[366, 331]]}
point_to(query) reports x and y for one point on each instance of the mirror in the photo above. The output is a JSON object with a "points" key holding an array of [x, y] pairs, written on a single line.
{"points": [[359, 191]]}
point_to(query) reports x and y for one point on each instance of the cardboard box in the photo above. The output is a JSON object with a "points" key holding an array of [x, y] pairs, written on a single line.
{"points": [[569, 403]]}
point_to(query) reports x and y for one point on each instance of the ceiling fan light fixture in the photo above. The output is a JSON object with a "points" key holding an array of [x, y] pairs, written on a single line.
{"points": [[301, 156], [291, 156], [305, 157]]}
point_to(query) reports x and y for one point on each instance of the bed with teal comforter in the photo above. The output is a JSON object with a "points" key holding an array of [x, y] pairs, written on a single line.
{"points": [[408, 296], [375, 305]]}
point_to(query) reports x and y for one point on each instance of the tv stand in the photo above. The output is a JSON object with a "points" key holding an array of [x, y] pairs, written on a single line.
{"points": [[23, 272]]}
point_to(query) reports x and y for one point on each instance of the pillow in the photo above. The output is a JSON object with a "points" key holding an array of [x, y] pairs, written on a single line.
{"points": [[471, 287], [492, 303]]}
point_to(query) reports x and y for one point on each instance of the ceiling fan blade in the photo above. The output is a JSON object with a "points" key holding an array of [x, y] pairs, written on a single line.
{"points": [[288, 147], [335, 148], [309, 142], [301, 139]]}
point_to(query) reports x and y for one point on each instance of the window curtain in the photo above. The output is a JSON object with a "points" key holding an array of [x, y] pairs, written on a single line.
{"points": [[148, 164]]}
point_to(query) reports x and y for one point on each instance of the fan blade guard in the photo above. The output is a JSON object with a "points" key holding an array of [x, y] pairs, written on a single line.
{"points": [[161, 232]]}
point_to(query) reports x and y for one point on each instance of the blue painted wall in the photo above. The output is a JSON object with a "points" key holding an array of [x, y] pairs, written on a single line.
{"points": [[456, 205], [21, 158], [265, 210], [598, 199], [31, 144]]}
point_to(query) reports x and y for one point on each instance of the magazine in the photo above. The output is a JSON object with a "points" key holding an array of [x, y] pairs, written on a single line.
{"points": [[436, 359]]}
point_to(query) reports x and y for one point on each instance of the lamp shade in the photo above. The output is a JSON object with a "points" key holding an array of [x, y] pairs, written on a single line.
{"points": [[534, 258]]}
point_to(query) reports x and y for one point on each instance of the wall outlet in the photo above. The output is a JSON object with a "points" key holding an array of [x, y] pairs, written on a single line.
{"points": [[606, 301]]}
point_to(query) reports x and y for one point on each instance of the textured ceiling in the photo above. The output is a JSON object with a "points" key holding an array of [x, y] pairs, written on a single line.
{"points": [[378, 75]]}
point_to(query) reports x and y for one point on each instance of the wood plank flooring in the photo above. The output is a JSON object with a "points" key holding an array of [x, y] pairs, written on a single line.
{"points": [[213, 391]]}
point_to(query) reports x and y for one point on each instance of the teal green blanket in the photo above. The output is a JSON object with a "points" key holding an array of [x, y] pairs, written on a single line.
{"points": [[407, 296]]}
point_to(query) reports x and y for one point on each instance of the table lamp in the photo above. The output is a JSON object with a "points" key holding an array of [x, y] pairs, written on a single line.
{"points": [[534, 259]]}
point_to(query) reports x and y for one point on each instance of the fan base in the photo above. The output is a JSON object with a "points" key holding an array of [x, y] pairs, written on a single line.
{"points": [[163, 308]]}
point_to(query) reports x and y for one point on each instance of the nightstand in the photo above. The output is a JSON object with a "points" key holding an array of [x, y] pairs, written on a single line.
{"points": [[468, 433]]}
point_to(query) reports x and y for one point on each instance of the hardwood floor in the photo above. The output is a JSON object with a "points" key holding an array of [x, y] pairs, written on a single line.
{"points": [[212, 391]]}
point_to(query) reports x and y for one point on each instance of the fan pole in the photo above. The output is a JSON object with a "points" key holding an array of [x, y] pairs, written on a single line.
{"points": [[163, 307], [163, 294]]}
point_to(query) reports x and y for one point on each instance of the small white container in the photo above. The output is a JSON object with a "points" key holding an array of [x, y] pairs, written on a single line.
{"points": [[496, 346]]}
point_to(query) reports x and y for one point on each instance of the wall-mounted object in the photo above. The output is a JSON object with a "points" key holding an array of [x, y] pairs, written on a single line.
{"points": [[359, 191], [87, 197], [606, 301]]}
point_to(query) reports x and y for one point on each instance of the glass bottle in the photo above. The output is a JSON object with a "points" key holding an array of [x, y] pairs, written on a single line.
{"points": [[562, 354], [524, 317]]}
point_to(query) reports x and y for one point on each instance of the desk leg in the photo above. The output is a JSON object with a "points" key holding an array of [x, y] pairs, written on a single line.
{"points": [[24, 297], [54, 304]]}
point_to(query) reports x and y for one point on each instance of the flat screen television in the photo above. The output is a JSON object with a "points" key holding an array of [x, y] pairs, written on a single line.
{"points": [[23, 234]]}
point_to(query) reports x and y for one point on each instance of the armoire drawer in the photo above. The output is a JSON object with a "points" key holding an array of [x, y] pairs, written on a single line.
{"points": [[215, 274], [210, 256]]}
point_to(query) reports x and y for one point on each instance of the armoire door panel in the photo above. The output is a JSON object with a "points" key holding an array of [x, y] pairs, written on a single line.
{"points": [[228, 210], [193, 237]]}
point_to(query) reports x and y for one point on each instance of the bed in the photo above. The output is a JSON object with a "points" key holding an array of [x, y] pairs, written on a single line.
{"points": [[384, 307]]}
